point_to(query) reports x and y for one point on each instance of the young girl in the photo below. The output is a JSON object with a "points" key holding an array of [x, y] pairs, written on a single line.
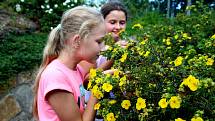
{"points": [[115, 16], [59, 94]]}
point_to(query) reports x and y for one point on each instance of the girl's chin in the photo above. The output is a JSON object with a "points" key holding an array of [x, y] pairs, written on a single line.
{"points": [[93, 60]]}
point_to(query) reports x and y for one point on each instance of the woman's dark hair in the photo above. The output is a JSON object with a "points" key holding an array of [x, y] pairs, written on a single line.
{"points": [[110, 6]]}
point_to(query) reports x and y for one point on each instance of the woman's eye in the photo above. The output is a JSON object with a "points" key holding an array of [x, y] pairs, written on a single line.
{"points": [[122, 22]]}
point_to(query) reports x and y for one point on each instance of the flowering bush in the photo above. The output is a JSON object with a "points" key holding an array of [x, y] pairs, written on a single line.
{"points": [[166, 72], [46, 13]]}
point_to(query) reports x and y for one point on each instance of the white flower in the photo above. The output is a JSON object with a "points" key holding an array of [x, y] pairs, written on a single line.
{"points": [[55, 5], [42, 7], [47, 6], [50, 10], [18, 8], [64, 3], [22, 0]]}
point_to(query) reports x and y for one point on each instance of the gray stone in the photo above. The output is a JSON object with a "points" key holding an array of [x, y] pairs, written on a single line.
{"points": [[26, 77], [8, 108], [22, 117], [24, 95], [14, 23]]}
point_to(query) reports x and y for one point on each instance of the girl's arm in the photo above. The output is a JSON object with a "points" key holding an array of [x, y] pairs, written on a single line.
{"points": [[64, 104]]}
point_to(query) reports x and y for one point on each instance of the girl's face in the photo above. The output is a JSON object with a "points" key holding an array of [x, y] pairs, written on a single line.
{"points": [[92, 45], [115, 21]]}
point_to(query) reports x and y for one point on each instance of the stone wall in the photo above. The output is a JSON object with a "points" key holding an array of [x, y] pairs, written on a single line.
{"points": [[16, 105]]}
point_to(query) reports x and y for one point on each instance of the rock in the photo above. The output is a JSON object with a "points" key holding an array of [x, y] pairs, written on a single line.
{"points": [[24, 95], [8, 108], [22, 117], [13, 23]]}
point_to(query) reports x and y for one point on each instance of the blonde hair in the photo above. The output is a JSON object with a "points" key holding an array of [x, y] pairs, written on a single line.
{"points": [[79, 20]]}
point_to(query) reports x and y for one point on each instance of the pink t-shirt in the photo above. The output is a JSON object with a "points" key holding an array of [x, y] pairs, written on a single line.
{"points": [[58, 76]]}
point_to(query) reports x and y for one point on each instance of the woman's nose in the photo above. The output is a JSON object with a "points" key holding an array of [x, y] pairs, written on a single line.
{"points": [[117, 26]]}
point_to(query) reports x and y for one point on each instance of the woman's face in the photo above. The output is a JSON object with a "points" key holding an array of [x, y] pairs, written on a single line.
{"points": [[92, 45], [115, 21]]}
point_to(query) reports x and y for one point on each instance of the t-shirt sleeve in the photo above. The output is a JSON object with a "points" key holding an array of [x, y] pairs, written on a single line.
{"points": [[55, 80]]}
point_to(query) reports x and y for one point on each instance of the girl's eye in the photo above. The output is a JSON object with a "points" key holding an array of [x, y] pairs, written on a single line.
{"points": [[99, 41]]}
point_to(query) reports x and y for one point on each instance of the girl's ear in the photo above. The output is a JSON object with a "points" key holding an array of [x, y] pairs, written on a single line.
{"points": [[75, 41]]}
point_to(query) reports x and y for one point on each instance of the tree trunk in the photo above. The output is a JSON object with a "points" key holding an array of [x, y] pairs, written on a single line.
{"points": [[189, 3], [168, 9]]}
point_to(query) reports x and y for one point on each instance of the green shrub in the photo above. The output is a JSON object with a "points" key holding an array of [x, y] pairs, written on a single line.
{"points": [[19, 53], [166, 72]]}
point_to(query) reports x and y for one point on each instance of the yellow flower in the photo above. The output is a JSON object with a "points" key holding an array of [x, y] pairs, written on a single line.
{"points": [[163, 103], [176, 36], [147, 53], [95, 88], [141, 103], [110, 117], [92, 73], [191, 82], [143, 42], [175, 102], [197, 119], [122, 81], [89, 85], [140, 51], [110, 48], [97, 106], [137, 26], [178, 61], [209, 62], [179, 119], [126, 104], [168, 41], [193, 85], [107, 87], [98, 94], [171, 69], [107, 75], [213, 37], [116, 73], [123, 58], [185, 35], [112, 102], [98, 80]]}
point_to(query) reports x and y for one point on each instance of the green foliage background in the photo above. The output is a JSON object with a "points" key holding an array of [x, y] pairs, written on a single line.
{"points": [[19, 53]]}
